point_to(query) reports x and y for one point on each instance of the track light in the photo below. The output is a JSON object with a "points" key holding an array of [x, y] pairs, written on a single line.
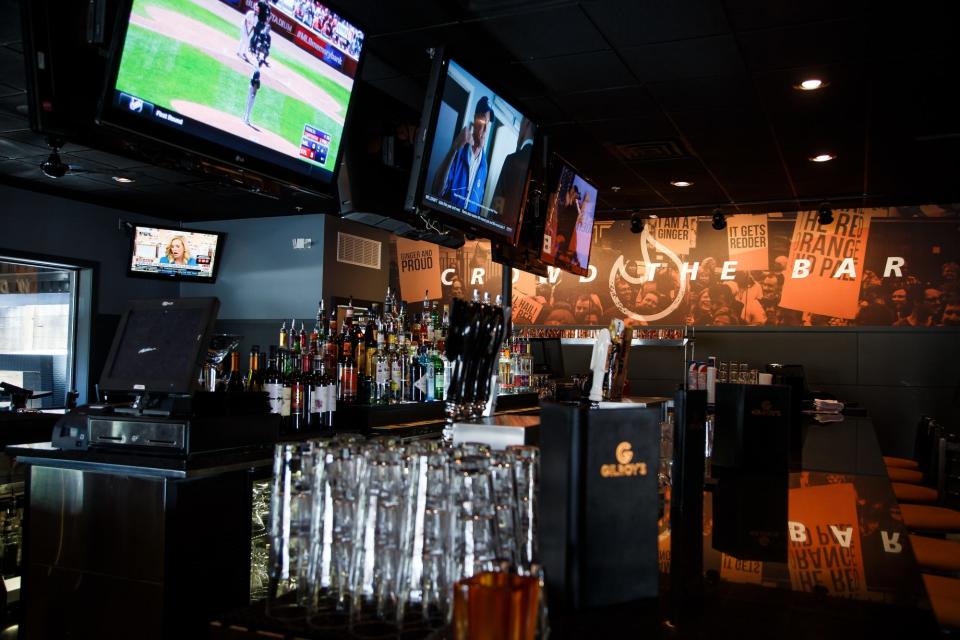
{"points": [[636, 224], [719, 220], [824, 214]]}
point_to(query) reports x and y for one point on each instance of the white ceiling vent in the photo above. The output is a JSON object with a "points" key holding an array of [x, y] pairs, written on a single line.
{"points": [[362, 252]]}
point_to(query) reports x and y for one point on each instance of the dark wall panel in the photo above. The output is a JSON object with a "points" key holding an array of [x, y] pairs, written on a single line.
{"points": [[918, 358]]}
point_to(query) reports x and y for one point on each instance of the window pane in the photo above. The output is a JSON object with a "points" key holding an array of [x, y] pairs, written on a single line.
{"points": [[36, 329]]}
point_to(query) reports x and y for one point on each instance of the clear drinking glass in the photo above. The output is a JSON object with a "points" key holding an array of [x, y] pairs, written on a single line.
{"points": [[289, 529], [505, 506], [526, 473], [347, 477], [376, 556], [474, 542]]}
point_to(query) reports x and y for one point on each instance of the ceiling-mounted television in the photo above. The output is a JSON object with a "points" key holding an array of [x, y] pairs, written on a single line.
{"points": [[169, 253], [264, 86], [568, 227], [472, 161]]}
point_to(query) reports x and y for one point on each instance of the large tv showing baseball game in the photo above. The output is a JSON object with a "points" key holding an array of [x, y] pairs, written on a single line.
{"points": [[170, 253], [568, 228], [474, 160], [261, 85]]}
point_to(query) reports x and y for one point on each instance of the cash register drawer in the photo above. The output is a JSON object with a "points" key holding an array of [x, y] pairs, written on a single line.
{"points": [[138, 433]]}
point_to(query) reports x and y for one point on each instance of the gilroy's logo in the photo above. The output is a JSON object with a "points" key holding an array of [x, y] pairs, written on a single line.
{"points": [[765, 409], [624, 468]]}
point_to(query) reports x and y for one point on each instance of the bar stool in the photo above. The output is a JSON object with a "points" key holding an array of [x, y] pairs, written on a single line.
{"points": [[944, 596], [915, 493], [936, 554], [921, 517], [897, 474], [901, 463]]}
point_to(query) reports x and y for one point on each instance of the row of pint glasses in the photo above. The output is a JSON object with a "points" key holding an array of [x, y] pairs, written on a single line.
{"points": [[382, 529]]}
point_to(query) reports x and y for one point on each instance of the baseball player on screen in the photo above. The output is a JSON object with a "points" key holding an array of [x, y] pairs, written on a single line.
{"points": [[252, 96], [255, 34], [246, 34]]}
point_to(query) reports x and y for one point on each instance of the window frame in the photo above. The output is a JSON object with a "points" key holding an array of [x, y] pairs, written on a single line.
{"points": [[84, 301]]}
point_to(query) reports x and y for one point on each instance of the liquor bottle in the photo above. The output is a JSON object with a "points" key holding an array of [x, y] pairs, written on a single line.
{"points": [[235, 383], [331, 346], [304, 340], [382, 372], [261, 369], [347, 366], [253, 382], [370, 338], [418, 379], [330, 387], [316, 413], [438, 380], [428, 375], [389, 306], [285, 391], [273, 383], [321, 325], [283, 335], [426, 330], [295, 383], [294, 338], [434, 323]]}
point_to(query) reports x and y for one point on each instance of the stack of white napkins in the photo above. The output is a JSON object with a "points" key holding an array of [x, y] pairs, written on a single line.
{"points": [[824, 418], [827, 406]]}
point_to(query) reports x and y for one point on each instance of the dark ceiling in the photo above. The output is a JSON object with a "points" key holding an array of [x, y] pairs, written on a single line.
{"points": [[636, 94]]}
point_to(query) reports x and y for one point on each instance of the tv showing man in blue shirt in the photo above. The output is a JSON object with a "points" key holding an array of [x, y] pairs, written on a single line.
{"points": [[466, 177]]}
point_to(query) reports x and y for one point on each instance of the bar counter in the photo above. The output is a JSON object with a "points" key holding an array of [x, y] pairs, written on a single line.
{"points": [[122, 542], [847, 570]]}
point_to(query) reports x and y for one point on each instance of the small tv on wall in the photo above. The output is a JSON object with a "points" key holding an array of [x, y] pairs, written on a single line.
{"points": [[169, 253], [262, 86]]}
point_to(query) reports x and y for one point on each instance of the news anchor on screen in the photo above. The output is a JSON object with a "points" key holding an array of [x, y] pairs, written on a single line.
{"points": [[466, 177], [178, 253]]}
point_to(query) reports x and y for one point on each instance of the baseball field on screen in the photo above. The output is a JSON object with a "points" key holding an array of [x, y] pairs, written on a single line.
{"points": [[181, 55]]}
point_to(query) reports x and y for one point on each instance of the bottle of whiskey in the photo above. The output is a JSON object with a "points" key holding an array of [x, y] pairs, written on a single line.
{"points": [[317, 412], [283, 335]]}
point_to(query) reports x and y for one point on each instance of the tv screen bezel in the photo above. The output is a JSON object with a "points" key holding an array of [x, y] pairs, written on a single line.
{"points": [[431, 113], [174, 277], [183, 383], [557, 161], [256, 160]]}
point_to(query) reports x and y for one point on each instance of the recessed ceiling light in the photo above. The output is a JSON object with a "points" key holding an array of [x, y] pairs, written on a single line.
{"points": [[123, 179], [681, 183], [614, 189], [823, 157], [811, 84], [652, 216]]}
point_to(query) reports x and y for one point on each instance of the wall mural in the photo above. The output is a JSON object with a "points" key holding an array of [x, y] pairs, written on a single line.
{"points": [[868, 267]]}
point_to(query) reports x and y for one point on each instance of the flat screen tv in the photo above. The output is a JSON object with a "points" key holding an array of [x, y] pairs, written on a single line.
{"points": [[474, 158], [265, 86], [568, 228], [169, 253]]}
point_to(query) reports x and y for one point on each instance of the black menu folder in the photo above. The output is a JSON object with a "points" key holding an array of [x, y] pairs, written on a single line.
{"points": [[599, 503]]}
